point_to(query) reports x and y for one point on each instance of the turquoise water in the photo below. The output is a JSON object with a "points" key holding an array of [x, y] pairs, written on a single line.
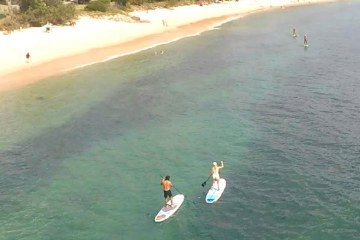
{"points": [[82, 153]]}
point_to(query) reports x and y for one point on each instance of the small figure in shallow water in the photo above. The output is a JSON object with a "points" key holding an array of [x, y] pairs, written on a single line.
{"points": [[305, 41], [294, 33]]}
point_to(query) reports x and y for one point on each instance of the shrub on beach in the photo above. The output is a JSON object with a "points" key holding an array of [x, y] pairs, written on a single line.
{"points": [[37, 13], [61, 14], [9, 24], [122, 3], [137, 2], [55, 13], [98, 5]]}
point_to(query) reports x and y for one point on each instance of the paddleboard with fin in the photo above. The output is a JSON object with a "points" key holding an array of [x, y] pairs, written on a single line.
{"points": [[168, 211], [214, 193]]}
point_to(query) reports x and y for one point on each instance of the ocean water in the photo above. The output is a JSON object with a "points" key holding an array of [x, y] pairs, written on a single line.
{"points": [[82, 154]]}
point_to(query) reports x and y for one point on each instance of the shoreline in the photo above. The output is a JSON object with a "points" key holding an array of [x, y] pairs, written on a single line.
{"points": [[153, 34]]}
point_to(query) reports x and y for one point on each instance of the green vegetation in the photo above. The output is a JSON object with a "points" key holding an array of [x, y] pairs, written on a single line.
{"points": [[39, 12], [16, 14], [98, 5], [35, 13]]}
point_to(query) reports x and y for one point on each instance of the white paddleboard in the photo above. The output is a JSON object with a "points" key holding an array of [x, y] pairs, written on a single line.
{"points": [[166, 212], [214, 194]]}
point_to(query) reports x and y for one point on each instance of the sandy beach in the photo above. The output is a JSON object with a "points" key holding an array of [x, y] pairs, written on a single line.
{"points": [[94, 40]]}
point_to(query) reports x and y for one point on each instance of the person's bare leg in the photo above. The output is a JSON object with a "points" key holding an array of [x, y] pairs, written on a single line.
{"points": [[166, 201]]}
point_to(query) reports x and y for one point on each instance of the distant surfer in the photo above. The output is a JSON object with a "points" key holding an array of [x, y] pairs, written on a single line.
{"points": [[305, 41], [294, 33], [166, 184], [215, 173]]}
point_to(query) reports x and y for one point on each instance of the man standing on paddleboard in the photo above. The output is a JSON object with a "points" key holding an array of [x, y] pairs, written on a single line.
{"points": [[215, 173], [166, 184]]}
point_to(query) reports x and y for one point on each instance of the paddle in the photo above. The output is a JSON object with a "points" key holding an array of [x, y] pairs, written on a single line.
{"points": [[204, 183], [193, 202], [177, 190]]}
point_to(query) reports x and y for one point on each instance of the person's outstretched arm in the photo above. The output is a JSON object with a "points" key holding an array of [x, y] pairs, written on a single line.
{"points": [[222, 164]]}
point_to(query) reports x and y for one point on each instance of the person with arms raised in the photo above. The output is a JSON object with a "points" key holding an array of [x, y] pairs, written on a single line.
{"points": [[215, 173]]}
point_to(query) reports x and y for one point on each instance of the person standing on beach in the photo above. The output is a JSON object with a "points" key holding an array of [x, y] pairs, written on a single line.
{"points": [[215, 173], [27, 56], [166, 185]]}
